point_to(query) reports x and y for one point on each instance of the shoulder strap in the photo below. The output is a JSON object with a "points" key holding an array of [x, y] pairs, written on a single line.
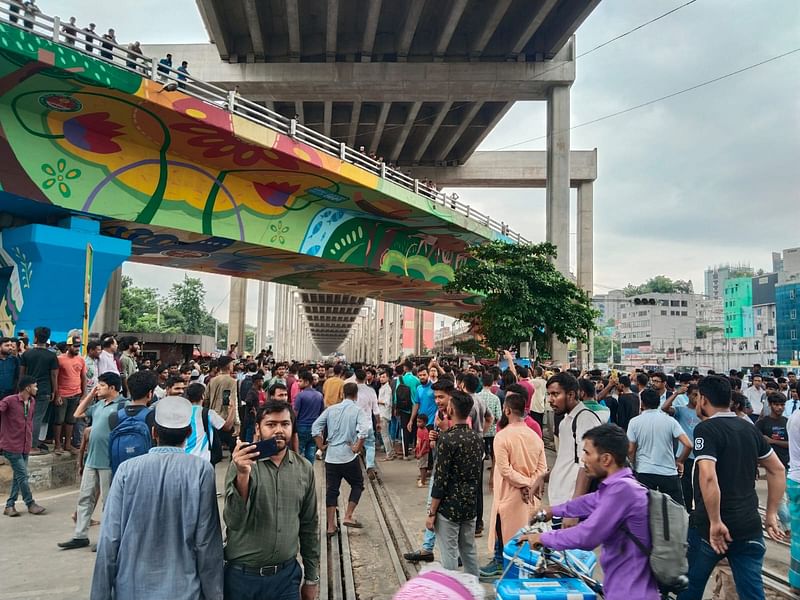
{"points": [[634, 539], [142, 415], [575, 429], [205, 416]]}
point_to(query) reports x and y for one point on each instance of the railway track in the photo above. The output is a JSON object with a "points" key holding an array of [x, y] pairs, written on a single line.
{"points": [[336, 568], [776, 584]]}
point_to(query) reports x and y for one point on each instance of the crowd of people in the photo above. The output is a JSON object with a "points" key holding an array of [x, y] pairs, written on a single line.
{"points": [[148, 433]]}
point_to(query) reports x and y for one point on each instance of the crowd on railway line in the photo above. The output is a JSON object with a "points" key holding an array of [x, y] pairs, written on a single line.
{"points": [[146, 433]]}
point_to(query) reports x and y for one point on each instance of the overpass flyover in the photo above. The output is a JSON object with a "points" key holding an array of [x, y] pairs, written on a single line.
{"points": [[188, 175]]}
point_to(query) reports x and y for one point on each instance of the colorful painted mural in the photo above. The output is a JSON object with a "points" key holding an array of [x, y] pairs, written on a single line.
{"points": [[157, 165]]}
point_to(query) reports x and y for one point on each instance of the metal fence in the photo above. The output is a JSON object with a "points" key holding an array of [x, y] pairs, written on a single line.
{"points": [[101, 47]]}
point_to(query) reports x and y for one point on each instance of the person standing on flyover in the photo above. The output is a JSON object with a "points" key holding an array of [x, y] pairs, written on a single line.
{"points": [[271, 514]]}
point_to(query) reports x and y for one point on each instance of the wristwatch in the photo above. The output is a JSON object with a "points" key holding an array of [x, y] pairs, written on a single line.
{"points": [[309, 582]]}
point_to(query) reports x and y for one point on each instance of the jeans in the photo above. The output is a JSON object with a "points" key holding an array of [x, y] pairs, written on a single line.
{"points": [[793, 491], [19, 465], [283, 585], [666, 484], [746, 558], [479, 502], [409, 437], [308, 447], [87, 500], [77, 432], [369, 449], [386, 437], [457, 539], [783, 508], [429, 539], [498, 541]]}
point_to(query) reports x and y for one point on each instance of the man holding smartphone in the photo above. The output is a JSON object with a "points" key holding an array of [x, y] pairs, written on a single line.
{"points": [[265, 529], [222, 396]]}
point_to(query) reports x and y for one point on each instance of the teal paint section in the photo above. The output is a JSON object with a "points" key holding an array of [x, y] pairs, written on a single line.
{"points": [[45, 273]]}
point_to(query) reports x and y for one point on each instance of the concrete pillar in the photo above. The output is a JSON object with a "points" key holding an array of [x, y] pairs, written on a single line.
{"points": [[279, 339], [585, 257], [237, 311], [107, 316], [557, 209], [262, 327]]}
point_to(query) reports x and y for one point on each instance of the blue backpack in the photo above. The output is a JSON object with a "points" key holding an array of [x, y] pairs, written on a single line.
{"points": [[130, 438]]}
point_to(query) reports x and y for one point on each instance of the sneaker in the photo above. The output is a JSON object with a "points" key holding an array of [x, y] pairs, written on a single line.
{"points": [[418, 556], [10, 511], [491, 570], [35, 509], [371, 473], [74, 543]]}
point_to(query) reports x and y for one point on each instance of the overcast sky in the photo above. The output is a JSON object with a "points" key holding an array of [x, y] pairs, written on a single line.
{"points": [[707, 177]]}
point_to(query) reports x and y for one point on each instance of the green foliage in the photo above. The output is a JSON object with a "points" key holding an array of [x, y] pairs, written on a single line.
{"points": [[660, 284], [474, 347], [702, 331], [602, 349], [525, 296], [143, 310]]}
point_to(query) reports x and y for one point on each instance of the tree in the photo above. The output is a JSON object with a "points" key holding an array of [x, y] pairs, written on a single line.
{"points": [[474, 348], [602, 348], [136, 306], [525, 297], [660, 284], [188, 300]]}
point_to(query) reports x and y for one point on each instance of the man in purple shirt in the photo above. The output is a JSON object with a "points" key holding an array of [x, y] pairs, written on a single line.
{"points": [[619, 500]]}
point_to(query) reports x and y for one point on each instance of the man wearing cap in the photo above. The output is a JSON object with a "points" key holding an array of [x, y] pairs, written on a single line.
{"points": [[163, 500], [17, 412]]}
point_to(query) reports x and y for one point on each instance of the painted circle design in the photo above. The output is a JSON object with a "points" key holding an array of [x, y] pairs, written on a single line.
{"points": [[60, 103], [185, 253]]}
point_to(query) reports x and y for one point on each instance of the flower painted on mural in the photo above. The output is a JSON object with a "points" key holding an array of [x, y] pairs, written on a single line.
{"points": [[279, 230], [93, 132], [220, 144], [59, 176], [276, 193]]}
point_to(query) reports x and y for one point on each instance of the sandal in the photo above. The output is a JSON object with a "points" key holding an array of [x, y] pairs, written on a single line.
{"points": [[332, 533], [353, 524]]}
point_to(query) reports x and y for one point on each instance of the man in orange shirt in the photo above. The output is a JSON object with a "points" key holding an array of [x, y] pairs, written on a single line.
{"points": [[71, 387], [333, 388]]}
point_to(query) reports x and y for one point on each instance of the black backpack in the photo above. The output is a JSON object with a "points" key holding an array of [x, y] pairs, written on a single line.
{"points": [[402, 396], [214, 442]]}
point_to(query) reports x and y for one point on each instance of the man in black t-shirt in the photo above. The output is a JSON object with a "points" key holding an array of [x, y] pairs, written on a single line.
{"points": [[726, 523], [773, 427], [41, 364], [627, 402]]}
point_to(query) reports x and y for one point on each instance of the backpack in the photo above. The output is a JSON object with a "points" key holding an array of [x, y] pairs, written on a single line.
{"points": [[593, 483], [669, 528], [130, 438], [215, 444], [402, 396]]}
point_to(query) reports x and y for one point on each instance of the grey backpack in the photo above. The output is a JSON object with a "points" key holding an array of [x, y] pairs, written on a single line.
{"points": [[669, 529]]}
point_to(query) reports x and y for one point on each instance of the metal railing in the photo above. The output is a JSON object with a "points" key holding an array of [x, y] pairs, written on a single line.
{"points": [[131, 59]]}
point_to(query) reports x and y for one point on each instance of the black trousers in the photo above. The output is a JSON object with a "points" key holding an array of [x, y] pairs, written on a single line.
{"points": [[479, 503], [539, 418], [409, 437], [667, 484], [351, 473], [687, 485]]}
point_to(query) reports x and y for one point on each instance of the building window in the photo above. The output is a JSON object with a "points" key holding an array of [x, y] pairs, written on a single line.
{"points": [[793, 314], [663, 313], [674, 303], [793, 334], [684, 313], [791, 294], [684, 303]]}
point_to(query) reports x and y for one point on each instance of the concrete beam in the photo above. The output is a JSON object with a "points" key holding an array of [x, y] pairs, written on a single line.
{"points": [[555, 40], [403, 137], [214, 28], [409, 28], [378, 133], [515, 169], [355, 116], [331, 30], [534, 24], [327, 117], [370, 29], [293, 25], [432, 130], [486, 130], [489, 27], [376, 82], [457, 132], [585, 245], [254, 26], [453, 17]]}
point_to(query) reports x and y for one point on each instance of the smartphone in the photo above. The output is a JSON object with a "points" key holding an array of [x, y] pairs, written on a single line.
{"points": [[226, 398], [267, 448]]}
